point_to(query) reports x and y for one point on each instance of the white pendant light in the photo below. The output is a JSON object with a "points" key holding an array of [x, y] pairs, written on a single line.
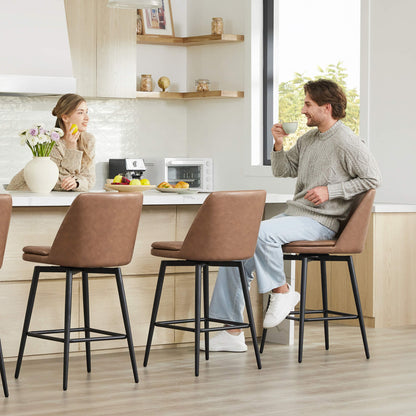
{"points": [[135, 4]]}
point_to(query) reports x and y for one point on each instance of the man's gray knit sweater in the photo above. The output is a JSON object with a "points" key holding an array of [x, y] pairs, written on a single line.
{"points": [[337, 159]]}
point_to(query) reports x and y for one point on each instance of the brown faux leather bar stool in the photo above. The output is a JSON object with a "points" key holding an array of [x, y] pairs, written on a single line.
{"points": [[223, 233], [5, 214], [350, 241], [96, 236]]}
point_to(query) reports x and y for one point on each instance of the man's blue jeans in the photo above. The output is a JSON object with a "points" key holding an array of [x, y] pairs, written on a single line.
{"points": [[227, 300]]}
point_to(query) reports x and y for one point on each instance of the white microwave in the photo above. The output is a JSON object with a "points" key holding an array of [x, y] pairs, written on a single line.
{"points": [[198, 172]]}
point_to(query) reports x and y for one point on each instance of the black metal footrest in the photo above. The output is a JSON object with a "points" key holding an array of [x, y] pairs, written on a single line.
{"points": [[175, 324], [339, 315], [44, 334]]}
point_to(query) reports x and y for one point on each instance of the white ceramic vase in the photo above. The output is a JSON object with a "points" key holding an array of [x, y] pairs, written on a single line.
{"points": [[41, 174]]}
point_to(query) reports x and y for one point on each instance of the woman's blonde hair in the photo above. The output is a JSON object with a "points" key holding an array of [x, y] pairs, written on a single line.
{"points": [[65, 106]]}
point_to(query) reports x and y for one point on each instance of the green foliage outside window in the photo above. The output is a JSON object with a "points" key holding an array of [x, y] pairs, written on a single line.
{"points": [[291, 98]]}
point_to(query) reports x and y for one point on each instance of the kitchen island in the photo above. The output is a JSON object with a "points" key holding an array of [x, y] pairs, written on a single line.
{"points": [[36, 219], [385, 273]]}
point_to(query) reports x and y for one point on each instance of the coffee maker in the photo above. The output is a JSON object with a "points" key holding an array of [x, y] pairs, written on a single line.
{"points": [[130, 168]]}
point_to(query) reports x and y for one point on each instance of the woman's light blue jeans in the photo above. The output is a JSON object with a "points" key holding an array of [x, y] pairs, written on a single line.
{"points": [[227, 300]]}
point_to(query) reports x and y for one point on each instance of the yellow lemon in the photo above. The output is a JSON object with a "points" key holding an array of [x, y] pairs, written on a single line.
{"points": [[73, 129], [145, 181], [117, 179], [135, 182]]}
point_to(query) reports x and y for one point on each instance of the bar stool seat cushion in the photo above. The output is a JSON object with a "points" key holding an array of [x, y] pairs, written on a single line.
{"points": [[169, 249], [37, 254], [316, 247]]}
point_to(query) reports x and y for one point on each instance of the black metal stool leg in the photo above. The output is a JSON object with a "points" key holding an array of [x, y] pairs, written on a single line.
{"points": [[263, 340], [197, 315], [205, 280], [86, 304], [28, 315], [3, 373], [156, 302], [126, 320], [302, 306], [249, 313], [67, 325], [264, 335], [358, 305], [324, 288]]}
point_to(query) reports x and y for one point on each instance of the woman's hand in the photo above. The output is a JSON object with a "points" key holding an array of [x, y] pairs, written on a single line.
{"points": [[69, 183], [71, 140], [278, 135]]}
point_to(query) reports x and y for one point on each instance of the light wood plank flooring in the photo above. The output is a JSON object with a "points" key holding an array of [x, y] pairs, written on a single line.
{"points": [[335, 382]]}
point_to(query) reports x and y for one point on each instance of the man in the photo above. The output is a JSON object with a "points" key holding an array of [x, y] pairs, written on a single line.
{"points": [[332, 166]]}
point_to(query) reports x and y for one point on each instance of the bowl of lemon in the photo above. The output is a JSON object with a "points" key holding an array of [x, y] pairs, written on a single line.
{"points": [[122, 184]]}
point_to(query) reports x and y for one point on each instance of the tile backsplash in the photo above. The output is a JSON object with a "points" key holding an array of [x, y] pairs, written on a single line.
{"points": [[122, 128]]}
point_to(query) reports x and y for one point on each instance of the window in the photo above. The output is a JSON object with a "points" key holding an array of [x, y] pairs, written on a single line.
{"points": [[303, 40]]}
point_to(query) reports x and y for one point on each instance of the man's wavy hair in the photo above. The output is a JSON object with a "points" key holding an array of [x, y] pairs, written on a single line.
{"points": [[325, 91]]}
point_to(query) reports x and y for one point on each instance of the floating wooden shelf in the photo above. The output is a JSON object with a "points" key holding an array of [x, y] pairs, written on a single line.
{"points": [[188, 41], [189, 95]]}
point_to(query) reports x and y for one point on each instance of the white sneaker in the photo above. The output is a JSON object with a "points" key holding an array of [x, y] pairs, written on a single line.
{"points": [[281, 304], [224, 341]]}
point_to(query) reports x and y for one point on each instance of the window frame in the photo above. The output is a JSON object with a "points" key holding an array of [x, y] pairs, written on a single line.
{"points": [[268, 77], [268, 86]]}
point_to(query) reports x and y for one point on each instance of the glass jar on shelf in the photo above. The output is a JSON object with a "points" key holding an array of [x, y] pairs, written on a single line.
{"points": [[146, 83], [217, 26], [202, 85]]}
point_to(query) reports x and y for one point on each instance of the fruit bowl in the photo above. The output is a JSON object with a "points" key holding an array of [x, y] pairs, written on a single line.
{"points": [[128, 188]]}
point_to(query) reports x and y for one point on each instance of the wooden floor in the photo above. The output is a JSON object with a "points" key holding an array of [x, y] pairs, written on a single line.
{"points": [[336, 382]]}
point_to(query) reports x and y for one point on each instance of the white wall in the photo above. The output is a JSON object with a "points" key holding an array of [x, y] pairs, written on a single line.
{"points": [[392, 92], [224, 128]]}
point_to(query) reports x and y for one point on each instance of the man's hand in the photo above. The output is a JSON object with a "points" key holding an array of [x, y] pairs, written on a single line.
{"points": [[317, 195], [278, 135]]}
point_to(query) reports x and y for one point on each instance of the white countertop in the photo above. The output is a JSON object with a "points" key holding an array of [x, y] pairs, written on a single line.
{"points": [[151, 197], [381, 207]]}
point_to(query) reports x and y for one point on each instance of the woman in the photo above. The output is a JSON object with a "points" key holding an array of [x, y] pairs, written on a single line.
{"points": [[74, 152]]}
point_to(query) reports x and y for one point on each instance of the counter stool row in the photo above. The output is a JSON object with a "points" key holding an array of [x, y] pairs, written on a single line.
{"points": [[91, 239]]}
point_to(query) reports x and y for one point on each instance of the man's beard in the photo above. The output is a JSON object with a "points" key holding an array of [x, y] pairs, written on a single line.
{"points": [[310, 122]]}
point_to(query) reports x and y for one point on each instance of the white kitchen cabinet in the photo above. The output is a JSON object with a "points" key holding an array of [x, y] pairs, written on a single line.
{"points": [[103, 48]]}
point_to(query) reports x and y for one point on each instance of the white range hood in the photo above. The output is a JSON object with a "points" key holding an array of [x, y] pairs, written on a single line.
{"points": [[35, 57]]}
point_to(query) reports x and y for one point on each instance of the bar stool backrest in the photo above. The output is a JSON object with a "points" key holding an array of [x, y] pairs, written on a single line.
{"points": [[99, 230], [5, 214], [225, 227], [353, 236]]}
